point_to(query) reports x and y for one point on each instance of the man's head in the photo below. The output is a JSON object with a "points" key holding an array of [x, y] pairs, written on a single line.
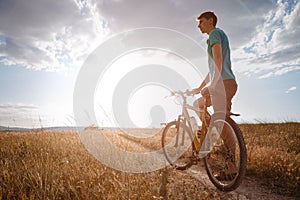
{"points": [[207, 21]]}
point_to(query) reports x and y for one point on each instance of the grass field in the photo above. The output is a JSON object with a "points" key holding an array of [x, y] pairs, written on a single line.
{"points": [[274, 153], [55, 165]]}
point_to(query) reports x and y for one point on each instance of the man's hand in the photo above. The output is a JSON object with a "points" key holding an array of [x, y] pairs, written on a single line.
{"points": [[196, 90], [207, 90], [202, 85]]}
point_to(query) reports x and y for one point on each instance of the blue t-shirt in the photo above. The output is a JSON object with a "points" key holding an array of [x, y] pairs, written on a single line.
{"points": [[218, 36]]}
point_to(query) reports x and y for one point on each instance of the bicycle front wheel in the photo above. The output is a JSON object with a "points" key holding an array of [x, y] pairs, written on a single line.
{"points": [[226, 162], [177, 144]]}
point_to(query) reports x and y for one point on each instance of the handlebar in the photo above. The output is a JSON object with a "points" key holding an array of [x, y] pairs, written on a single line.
{"points": [[183, 93]]}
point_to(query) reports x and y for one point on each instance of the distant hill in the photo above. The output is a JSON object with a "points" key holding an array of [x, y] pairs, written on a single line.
{"points": [[6, 128], [59, 128]]}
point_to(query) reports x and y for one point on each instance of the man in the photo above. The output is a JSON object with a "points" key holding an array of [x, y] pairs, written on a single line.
{"points": [[219, 86]]}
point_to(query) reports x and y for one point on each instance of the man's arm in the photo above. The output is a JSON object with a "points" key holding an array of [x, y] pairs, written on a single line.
{"points": [[218, 61], [202, 85]]}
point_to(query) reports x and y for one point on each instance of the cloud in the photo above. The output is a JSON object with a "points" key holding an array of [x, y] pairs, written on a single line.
{"points": [[8, 108], [280, 71], [293, 88], [18, 114], [274, 49], [180, 15], [48, 35], [58, 36], [33, 116]]}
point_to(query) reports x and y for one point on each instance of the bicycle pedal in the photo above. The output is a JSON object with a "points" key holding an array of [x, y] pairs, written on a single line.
{"points": [[195, 160]]}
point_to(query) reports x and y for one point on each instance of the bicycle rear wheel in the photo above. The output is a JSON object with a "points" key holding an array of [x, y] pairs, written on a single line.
{"points": [[177, 145], [226, 162]]}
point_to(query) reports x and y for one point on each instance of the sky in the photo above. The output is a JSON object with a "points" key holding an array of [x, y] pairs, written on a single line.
{"points": [[44, 46]]}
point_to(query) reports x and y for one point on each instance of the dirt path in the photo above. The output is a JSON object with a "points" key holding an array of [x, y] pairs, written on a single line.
{"points": [[251, 188]]}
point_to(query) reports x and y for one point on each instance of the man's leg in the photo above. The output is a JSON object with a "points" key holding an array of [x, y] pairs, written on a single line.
{"points": [[221, 101], [230, 90], [229, 138]]}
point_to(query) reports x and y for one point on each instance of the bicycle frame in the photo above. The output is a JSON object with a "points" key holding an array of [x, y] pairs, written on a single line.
{"points": [[186, 119]]}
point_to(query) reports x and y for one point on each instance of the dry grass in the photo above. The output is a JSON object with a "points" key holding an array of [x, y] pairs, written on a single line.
{"points": [[274, 153], [55, 165]]}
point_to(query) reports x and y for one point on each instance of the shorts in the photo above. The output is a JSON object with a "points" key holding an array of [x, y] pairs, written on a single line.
{"points": [[221, 98]]}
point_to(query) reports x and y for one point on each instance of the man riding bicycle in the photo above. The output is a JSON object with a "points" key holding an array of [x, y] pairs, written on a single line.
{"points": [[219, 86]]}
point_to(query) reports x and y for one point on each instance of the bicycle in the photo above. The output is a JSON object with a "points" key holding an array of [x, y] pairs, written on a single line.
{"points": [[219, 141]]}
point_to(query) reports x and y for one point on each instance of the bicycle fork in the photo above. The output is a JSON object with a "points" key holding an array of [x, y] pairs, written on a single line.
{"points": [[193, 136]]}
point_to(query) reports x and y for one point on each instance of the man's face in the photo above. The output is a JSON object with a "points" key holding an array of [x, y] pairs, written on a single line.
{"points": [[204, 24]]}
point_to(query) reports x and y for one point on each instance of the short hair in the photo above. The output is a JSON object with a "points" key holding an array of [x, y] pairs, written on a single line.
{"points": [[207, 15]]}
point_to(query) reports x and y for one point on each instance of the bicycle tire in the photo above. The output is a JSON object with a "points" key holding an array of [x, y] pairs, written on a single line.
{"points": [[226, 183], [178, 154]]}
